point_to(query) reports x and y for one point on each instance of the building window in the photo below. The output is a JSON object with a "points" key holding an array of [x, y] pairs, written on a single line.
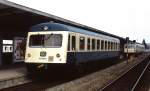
{"points": [[88, 43], [73, 43], [98, 44], [93, 44], [102, 45], [82, 43]]}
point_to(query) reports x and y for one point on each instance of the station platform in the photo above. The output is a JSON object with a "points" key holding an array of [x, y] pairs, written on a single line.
{"points": [[12, 75]]}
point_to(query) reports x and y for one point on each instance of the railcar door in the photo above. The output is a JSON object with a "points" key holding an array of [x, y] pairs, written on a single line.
{"points": [[73, 47]]}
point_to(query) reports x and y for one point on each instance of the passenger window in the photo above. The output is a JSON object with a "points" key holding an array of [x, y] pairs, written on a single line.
{"points": [[105, 45], [108, 45], [116, 46], [111, 45], [69, 43], [82, 43], [102, 45], [88, 43], [73, 43], [98, 44], [93, 44]]}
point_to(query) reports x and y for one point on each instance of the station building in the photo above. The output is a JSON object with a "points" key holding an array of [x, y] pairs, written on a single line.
{"points": [[15, 22]]}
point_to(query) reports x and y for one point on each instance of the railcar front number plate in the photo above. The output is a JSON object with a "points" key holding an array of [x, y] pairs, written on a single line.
{"points": [[43, 54]]}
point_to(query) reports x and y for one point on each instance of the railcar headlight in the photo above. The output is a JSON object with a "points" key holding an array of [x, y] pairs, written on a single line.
{"points": [[45, 27], [29, 55], [58, 55]]}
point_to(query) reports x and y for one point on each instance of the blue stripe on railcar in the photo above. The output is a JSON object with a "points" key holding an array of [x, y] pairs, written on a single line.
{"points": [[50, 26], [80, 57], [61, 27]]}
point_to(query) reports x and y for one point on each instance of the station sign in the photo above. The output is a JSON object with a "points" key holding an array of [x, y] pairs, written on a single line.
{"points": [[7, 46]]}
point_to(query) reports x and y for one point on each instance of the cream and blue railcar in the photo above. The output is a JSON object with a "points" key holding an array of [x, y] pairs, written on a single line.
{"points": [[133, 48], [54, 43]]}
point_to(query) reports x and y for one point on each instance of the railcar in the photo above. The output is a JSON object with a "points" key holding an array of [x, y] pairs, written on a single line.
{"points": [[133, 48], [55, 43]]}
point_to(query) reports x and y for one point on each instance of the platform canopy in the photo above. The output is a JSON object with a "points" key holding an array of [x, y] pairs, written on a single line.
{"points": [[15, 20]]}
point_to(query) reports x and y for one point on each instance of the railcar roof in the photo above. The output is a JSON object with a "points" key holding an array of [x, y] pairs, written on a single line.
{"points": [[50, 26], [63, 27]]}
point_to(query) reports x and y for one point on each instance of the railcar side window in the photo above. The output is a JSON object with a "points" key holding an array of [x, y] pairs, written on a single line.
{"points": [[73, 43], [82, 43], [45, 40], [88, 43], [98, 44], [105, 45], [93, 44], [102, 45], [116, 46], [113, 45], [109, 45], [69, 43]]}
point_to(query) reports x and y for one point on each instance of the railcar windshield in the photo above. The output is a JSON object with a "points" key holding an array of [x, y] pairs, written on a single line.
{"points": [[45, 40]]}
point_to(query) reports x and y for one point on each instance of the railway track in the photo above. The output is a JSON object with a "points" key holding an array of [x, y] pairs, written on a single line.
{"points": [[129, 80], [55, 78], [144, 81]]}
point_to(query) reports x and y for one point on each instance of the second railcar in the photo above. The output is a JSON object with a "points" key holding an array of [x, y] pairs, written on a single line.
{"points": [[133, 48]]}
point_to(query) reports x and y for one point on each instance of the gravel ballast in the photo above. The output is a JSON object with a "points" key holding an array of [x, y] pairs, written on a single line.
{"points": [[99, 79]]}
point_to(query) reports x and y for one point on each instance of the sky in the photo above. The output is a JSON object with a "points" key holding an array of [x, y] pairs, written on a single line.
{"points": [[125, 18]]}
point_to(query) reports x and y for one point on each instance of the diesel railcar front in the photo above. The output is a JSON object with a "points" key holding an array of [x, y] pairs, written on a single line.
{"points": [[55, 43]]}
